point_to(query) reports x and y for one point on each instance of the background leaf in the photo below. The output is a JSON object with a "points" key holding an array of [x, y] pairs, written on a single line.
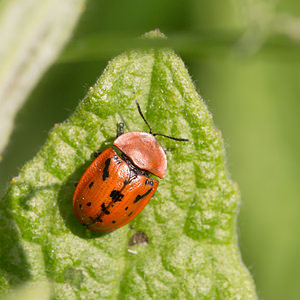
{"points": [[190, 223], [32, 34]]}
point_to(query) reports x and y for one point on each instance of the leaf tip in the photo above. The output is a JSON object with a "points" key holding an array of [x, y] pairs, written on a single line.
{"points": [[154, 34]]}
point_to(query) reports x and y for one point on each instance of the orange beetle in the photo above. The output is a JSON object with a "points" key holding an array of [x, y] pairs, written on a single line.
{"points": [[114, 189]]}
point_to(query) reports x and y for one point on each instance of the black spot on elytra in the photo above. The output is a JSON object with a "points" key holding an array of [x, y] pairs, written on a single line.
{"points": [[105, 171], [116, 195], [91, 184], [149, 182], [80, 205], [130, 214], [126, 207], [104, 209], [114, 222], [139, 197], [89, 204], [98, 219]]}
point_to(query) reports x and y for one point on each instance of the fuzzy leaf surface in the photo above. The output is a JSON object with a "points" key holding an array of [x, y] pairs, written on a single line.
{"points": [[192, 248]]}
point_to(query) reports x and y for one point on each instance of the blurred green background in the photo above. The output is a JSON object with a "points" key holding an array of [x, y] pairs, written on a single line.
{"points": [[244, 58]]}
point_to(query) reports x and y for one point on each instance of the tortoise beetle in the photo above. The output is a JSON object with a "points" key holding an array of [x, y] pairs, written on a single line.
{"points": [[114, 189]]}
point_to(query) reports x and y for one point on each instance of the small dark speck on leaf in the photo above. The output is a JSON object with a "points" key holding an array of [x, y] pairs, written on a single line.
{"points": [[138, 238]]}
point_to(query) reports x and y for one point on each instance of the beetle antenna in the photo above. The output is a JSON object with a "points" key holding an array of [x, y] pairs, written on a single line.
{"points": [[140, 111], [154, 134], [172, 138]]}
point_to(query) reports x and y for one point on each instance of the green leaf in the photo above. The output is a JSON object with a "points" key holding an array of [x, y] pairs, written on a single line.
{"points": [[31, 291], [189, 246]]}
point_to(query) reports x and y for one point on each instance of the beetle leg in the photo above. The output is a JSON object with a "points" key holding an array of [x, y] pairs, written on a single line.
{"points": [[97, 153], [133, 176], [120, 129]]}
